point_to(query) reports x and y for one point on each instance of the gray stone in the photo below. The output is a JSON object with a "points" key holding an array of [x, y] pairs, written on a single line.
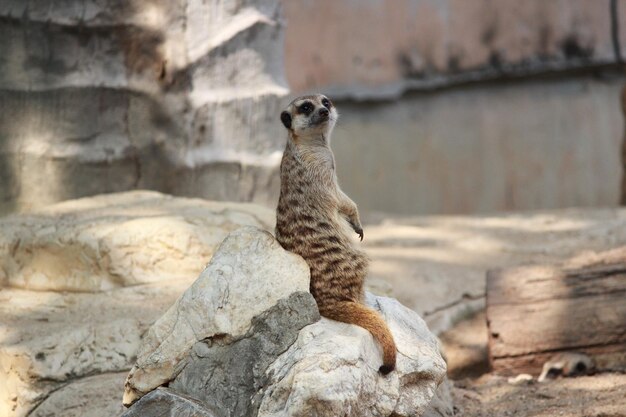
{"points": [[228, 375], [248, 274], [442, 404], [163, 402], [93, 396]]}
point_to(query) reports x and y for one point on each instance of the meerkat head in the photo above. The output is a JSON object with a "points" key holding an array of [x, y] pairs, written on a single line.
{"points": [[310, 116]]}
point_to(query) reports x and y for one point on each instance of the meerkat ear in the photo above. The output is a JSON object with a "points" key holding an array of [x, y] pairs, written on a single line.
{"points": [[286, 119]]}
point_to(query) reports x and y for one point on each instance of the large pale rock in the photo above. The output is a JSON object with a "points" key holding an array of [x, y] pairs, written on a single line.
{"points": [[248, 274], [284, 367], [246, 340], [114, 240], [332, 369], [51, 341]]}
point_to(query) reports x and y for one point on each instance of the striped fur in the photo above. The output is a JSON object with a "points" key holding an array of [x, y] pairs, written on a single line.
{"points": [[311, 221]]}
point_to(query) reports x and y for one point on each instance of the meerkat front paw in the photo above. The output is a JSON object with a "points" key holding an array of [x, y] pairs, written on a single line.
{"points": [[359, 230]]}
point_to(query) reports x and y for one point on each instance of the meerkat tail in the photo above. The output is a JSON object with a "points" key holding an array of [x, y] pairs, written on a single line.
{"points": [[355, 313]]}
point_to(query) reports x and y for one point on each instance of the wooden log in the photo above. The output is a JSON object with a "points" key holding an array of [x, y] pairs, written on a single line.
{"points": [[534, 312]]}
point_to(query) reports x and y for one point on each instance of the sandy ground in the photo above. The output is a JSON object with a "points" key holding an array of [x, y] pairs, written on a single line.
{"points": [[478, 393], [601, 395]]}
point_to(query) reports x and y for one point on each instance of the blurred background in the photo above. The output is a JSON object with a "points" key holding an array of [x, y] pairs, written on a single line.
{"points": [[446, 106]]}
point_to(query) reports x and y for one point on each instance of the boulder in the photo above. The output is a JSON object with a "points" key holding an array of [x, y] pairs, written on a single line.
{"points": [[228, 376], [50, 344], [332, 369], [248, 274], [115, 240], [246, 340]]}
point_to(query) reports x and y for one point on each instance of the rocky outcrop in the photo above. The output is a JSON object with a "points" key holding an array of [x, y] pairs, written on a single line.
{"points": [[249, 274], [246, 340], [103, 96], [105, 269], [115, 240], [52, 342], [67, 353]]}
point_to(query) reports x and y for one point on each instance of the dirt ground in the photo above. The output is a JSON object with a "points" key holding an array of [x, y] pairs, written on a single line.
{"points": [[478, 393]]}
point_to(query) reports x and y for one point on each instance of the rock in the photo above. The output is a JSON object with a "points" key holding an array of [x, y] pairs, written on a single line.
{"points": [[246, 340], [333, 367], [326, 368], [248, 274], [94, 396], [163, 402], [442, 404], [114, 240], [226, 376], [50, 341]]}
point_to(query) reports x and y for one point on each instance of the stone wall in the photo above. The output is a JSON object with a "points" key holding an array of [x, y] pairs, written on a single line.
{"points": [[107, 95], [546, 143]]}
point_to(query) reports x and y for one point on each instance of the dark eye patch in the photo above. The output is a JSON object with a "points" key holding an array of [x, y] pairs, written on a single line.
{"points": [[306, 108], [326, 103]]}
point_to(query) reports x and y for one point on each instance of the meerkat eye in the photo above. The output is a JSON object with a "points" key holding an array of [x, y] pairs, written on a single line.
{"points": [[326, 103], [306, 108]]}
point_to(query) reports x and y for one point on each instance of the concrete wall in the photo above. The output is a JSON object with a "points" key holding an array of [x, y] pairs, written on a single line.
{"points": [[374, 48], [453, 106], [488, 147]]}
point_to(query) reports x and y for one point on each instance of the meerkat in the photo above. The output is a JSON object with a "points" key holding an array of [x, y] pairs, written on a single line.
{"points": [[311, 221], [567, 364]]}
